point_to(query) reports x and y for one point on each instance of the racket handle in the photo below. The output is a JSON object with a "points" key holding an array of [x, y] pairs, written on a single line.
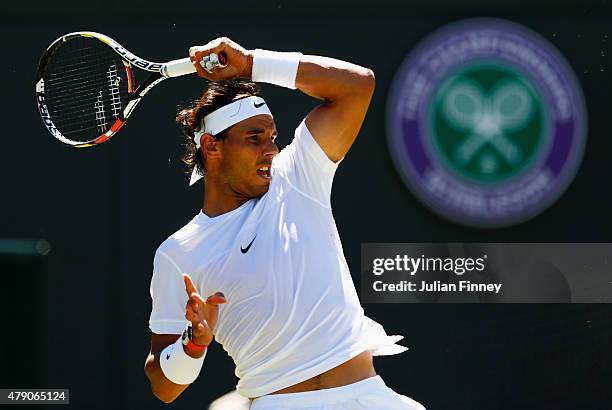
{"points": [[177, 68]]}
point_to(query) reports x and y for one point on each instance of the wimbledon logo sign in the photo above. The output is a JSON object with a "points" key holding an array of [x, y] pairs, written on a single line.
{"points": [[486, 123]]}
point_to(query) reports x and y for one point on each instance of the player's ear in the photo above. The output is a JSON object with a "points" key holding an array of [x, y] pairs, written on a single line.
{"points": [[210, 145]]}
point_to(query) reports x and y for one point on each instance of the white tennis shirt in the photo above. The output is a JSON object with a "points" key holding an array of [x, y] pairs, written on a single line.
{"points": [[292, 311]]}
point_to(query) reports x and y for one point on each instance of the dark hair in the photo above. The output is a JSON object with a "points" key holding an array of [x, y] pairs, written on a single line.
{"points": [[216, 95]]}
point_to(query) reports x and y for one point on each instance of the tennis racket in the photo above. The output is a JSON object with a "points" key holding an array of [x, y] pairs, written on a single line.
{"points": [[86, 85]]}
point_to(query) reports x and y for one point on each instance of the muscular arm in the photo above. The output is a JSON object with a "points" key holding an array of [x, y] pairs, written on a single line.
{"points": [[346, 90], [203, 315]]}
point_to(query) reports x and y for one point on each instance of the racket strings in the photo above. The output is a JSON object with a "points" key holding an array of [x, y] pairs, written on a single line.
{"points": [[85, 87]]}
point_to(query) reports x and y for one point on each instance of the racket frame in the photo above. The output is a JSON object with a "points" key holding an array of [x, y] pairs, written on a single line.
{"points": [[160, 72]]}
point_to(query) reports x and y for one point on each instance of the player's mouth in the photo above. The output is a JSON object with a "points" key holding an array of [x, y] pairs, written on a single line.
{"points": [[264, 172]]}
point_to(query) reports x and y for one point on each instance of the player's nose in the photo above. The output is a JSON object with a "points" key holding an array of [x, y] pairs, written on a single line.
{"points": [[270, 148]]}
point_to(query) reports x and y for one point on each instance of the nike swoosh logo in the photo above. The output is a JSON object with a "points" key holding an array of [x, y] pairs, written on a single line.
{"points": [[245, 250], [257, 106], [167, 357]]}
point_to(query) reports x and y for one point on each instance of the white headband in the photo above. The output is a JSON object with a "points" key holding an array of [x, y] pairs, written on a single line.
{"points": [[225, 117], [230, 114]]}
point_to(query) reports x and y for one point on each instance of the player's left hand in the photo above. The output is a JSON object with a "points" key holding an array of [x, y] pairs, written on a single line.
{"points": [[202, 313], [235, 60]]}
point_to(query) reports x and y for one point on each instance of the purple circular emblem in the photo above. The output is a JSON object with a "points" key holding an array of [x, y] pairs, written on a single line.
{"points": [[486, 123]]}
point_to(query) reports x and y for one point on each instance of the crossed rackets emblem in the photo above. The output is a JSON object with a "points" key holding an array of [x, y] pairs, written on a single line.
{"points": [[487, 117]]}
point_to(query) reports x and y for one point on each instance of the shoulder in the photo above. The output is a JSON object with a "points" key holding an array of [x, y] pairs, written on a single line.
{"points": [[178, 244], [302, 147]]}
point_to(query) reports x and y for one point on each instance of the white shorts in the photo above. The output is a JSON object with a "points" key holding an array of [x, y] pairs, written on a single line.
{"points": [[368, 394]]}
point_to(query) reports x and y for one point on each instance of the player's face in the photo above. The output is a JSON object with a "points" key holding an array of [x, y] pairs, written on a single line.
{"points": [[247, 154]]}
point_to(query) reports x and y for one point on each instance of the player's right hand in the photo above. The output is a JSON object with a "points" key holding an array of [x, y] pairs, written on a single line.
{"points": [[202, 313], [236, 61]]}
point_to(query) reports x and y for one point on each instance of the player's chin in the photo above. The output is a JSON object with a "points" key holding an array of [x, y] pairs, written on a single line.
{"points": [[262, 187]]}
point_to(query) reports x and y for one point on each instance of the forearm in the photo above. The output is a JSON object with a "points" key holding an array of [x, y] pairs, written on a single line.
{"points": [[320, 77], [331, 79], [345, 88], [162, 388]]}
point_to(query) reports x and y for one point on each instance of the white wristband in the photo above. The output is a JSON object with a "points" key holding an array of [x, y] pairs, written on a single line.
{"points": [[178, 366], [275, 67]]}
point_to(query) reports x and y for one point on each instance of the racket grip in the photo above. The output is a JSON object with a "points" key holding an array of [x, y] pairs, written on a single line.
{"points": [[177, 68]]}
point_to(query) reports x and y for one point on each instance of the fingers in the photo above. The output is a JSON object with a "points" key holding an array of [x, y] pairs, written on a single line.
{"points": [[202, 332], [216, 299], [189, 286], [223, 63], [205, 308], [194, 295], [196, 302], [222, 59], [202, 53], [200, 312], [191, 315], [196, 319], [200, 329], [199, 69]]}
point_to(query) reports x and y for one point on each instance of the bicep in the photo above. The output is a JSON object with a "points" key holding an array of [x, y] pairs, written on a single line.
{"points": [[336, 123], [346, 89]]}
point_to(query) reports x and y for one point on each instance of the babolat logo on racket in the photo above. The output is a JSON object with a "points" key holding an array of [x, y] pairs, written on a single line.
{"points": [[486, 123], [147, 65]]}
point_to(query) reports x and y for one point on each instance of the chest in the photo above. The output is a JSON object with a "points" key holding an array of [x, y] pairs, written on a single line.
{"points": [[271, 252]]}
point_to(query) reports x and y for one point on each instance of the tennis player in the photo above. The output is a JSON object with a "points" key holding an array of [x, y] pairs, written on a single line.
{"points": [[266, 270]]}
